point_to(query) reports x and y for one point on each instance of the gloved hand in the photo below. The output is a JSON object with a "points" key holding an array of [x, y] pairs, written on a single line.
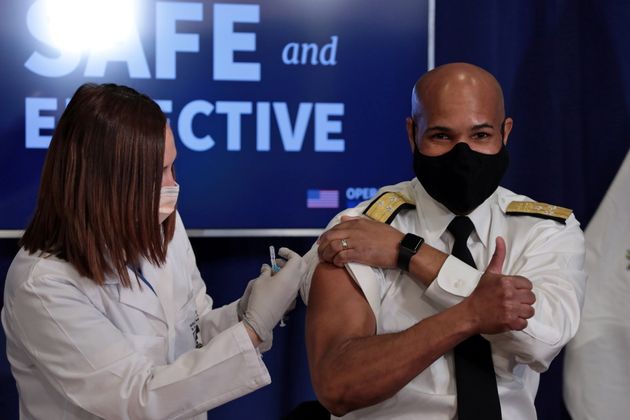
{"points": [[243, 302], [271, 296], [241, 307]]}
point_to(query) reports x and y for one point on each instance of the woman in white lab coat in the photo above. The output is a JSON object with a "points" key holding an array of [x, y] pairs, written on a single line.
{"points": [[105, 313]]}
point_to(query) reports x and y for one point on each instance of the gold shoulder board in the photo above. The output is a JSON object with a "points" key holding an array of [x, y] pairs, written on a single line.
{"points": [[542, 210], [386, 206]]}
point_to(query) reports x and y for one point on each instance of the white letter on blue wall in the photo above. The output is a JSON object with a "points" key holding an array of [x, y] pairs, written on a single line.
{"points": [[324, 126], [60, 66], [263, 122], [234, 110], [167, 41], [131, 53], [35, 121], [226, 42], [292, 137], [185, 126]]}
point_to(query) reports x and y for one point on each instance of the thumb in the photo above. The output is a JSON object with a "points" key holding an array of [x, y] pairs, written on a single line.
{"points": [[496, 263], [287, 254]]}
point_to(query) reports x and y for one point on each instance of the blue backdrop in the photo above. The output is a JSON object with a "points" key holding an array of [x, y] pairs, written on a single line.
{"points": [[291, 94], [565, 71]]}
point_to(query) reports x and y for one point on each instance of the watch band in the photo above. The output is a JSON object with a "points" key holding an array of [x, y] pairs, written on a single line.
{"points": [[407, 249]]}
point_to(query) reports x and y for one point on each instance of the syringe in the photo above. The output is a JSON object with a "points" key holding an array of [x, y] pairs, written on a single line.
{"points": [[272, 255]]}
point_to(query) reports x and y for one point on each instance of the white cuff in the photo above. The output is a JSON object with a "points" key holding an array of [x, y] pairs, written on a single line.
{"points": [[455, 281]]}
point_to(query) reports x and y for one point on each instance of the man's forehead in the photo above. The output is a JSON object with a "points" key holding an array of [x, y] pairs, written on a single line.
{"points": [[460, 90], [471, 109], [467, 105], [458, 85]]}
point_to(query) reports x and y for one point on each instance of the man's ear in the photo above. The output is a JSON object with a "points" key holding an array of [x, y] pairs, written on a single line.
{"points": [[411, 132], [507, 129]]}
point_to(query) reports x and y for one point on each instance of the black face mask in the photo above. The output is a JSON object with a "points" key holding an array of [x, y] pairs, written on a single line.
{"points": [[460, 179]]}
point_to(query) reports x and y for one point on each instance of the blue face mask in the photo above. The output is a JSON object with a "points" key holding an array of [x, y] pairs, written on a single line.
{"points": [[460, 179]]}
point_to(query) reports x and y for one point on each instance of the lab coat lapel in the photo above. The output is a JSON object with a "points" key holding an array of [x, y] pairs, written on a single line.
{"points": [[161, 279], [144, 300]]}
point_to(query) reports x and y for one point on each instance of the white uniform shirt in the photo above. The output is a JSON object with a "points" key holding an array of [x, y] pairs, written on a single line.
{"points": [[83, 351], [548, 253]]}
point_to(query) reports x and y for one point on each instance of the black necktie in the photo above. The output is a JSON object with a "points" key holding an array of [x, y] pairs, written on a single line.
{"points": [[477, 394]]}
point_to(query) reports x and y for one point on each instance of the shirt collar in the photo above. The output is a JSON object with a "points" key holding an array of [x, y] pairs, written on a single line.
{"points": [[436, 218], [433, 215]]}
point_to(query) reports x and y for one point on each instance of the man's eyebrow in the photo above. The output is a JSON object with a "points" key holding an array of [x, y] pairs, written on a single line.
{"points": [[481, 126], [438, 128]]}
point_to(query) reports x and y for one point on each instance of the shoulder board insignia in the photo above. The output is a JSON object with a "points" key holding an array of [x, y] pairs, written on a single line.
{"points": [[386, 206], [542, 210]]}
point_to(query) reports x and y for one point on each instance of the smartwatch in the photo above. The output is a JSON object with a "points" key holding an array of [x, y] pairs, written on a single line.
{"points": [[409, 245]]}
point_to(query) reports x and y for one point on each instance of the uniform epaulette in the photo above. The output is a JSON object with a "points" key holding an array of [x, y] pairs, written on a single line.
{"points": [[386, 206], [542, 210]]}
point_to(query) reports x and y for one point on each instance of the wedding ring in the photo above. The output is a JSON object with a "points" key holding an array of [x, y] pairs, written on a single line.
{"points": [[344, 244]]}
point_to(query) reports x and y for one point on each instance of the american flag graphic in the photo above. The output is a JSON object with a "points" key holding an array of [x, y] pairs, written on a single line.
{"points": [[322, 199]]}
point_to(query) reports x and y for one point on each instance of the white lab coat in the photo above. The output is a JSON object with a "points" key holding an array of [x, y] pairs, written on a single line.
{"points": [[83, 351]]}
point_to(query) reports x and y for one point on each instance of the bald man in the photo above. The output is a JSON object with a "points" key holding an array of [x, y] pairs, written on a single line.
{"points": [[447, 295]]}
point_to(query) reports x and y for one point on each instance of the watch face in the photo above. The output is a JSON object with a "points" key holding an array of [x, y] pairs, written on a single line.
{"points": [[411, 242]]}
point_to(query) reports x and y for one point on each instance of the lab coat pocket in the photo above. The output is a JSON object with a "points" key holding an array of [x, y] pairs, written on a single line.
{"points": [[152, 347], [188, 334]]}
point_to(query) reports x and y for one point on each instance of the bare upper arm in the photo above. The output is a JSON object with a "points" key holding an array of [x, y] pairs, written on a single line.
{"points": [[337, 311]]}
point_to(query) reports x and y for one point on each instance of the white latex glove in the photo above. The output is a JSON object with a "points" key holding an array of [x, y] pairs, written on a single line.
{"points": [[241, 307], [271, 296], [243, 302]]}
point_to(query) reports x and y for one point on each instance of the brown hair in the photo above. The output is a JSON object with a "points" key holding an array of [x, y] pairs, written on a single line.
{"points": [[100, 189]]}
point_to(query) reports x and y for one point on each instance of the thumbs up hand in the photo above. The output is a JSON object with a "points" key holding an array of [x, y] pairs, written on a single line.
{"points": [[500, 302]]}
